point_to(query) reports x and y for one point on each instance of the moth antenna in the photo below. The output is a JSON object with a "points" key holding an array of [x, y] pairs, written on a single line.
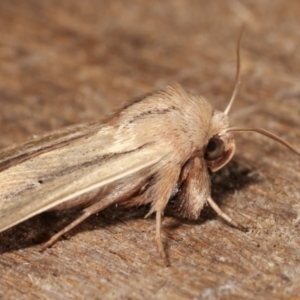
{"points": [[266, 133], [237, 76]]}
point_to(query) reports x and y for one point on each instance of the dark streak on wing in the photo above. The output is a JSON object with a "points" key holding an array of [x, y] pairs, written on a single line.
{"points": [[51, 176], [128, 105], [136, 100], [97, 160], [152, 112], [30, 154]]}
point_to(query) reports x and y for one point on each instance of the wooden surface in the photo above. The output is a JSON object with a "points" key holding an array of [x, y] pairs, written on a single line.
{"points": [[65, 62]]}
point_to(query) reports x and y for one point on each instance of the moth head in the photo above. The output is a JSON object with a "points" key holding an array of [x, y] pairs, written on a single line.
{"points": [[220, 146]]}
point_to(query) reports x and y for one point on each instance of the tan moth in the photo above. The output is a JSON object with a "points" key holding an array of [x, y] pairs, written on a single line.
{"points": [[156, 147]]}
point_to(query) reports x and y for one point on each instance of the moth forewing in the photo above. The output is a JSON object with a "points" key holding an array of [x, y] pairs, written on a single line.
{"points": [[51, 178], [15, 154]]}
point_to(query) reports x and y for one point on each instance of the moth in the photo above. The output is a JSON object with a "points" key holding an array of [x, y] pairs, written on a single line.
{"points": [[157, 147]]}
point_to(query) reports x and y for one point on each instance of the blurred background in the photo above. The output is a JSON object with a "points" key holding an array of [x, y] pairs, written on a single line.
{"points": [[65, 62]]}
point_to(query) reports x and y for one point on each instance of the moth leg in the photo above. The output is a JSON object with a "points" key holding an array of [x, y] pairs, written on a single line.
{"points": [[125, 189], [158, 240], [162, 192], [93, 209], [218, 210]]}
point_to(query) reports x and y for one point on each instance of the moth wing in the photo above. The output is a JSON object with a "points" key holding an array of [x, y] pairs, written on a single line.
{"points": [[18, 153], [54, 177]]}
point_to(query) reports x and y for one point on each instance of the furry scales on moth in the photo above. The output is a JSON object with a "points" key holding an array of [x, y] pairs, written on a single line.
{"points": [[158, 144]]}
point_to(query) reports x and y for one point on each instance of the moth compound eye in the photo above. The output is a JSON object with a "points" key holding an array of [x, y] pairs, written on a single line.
{"points": [[214, 149]]}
